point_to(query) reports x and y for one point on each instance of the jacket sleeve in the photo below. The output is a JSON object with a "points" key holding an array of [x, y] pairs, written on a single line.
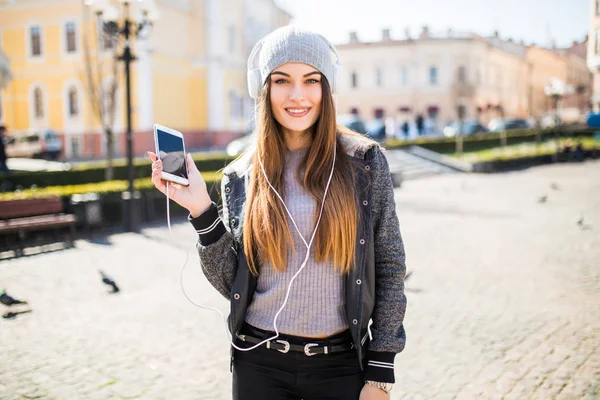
{"points": [[216, 246], [388, 336]]}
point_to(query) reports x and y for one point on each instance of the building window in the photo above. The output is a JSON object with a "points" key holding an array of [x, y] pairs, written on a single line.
{"points": [[35, 37], [462, 74], [597, 7], [231, 38], [234, 104], [70, 37], [73, 102], [404, 76], [433, 75], [38, 103], [378, 77], [354, 80], [108, 35], [75, 147], [432, 112]]}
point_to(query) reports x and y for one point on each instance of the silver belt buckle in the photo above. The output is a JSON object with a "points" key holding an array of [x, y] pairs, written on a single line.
{"points": [[307, 349], [286, 346]]}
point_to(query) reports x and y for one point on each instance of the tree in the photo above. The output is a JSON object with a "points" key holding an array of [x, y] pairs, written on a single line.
{"points": [[5, 75], [102, 88]]}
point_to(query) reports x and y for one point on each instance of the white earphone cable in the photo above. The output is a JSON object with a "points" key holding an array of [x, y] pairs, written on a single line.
{"points": [[252, 88], [308, 248], [187, 257]]}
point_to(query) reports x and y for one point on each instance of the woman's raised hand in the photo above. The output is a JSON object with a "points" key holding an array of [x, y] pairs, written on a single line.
{"points": [[194, 197]]}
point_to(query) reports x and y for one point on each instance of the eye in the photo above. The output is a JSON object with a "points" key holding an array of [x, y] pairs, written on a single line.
{"points": [[280, 81], [312, 81]]}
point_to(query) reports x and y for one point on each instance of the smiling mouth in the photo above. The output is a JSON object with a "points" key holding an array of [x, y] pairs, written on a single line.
{"points": [[297, 112]]}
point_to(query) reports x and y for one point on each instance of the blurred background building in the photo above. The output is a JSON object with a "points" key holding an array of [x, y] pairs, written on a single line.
{"points": [[443, 75], [190, 72]]}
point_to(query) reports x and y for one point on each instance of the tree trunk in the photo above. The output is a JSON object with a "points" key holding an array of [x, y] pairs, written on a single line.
{"points": [[110, 149]]}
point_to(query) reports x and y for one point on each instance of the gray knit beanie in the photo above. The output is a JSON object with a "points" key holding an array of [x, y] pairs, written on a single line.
{"points": [[294, 44]]}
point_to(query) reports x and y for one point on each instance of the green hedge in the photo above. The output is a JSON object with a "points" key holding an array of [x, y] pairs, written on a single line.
{"points": [[95, 172], [487, 140], [212, 180]]}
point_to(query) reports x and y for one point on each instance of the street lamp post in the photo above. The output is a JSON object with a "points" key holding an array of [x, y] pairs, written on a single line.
{"points": [[108, 16]]}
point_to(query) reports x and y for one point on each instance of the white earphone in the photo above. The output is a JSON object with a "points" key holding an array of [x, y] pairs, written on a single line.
{"points": [[255, 79]]}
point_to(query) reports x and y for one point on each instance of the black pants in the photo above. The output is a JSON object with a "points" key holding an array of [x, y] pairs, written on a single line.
{"points": [[270, 375]]}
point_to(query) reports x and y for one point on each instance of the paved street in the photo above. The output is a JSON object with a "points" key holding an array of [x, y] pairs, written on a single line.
{"points": [[504, 301]]}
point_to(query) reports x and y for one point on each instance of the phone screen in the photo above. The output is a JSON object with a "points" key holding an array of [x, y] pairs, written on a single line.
{"points": [[172, 154]]}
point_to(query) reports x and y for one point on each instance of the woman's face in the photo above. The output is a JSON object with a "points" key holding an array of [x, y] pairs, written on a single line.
{"points": [[296, 96]]}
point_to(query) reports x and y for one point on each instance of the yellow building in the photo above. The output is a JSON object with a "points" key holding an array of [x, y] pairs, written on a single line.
{"points": [[189, 74]]}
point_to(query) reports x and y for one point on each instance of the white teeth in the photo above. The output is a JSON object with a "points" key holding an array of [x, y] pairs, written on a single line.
{"points": [[297, 110]]}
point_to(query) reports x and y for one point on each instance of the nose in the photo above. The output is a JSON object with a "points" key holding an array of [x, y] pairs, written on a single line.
{"points": [[297, 92]]}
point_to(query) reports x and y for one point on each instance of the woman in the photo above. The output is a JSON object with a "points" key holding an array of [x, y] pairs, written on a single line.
{"points": [[308, 246]]}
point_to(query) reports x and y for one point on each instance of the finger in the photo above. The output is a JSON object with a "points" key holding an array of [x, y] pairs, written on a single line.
{"points": [[157, 164], [157, 177], [152, 156], [159, 184], [190, 163]]}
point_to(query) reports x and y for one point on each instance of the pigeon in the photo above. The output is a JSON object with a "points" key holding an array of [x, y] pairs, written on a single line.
{"points": [[8, 300], [581, 223], [543, 199], [108, 281], [13, 314]]}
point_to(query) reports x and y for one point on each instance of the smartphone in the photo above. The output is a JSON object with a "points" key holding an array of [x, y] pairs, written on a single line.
{"points": [[170, 148]]}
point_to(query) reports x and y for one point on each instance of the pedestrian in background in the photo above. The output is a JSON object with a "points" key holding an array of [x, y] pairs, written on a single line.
{"points": [[260, 249], [419, 122], [3, 158]]}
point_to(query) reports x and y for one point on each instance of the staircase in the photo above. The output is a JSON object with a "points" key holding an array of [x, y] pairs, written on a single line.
{"points": [[406, 165]]}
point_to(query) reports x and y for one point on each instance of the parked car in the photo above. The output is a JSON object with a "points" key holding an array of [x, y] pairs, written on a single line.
{"points": [[593, 120], [353, 122], [237, 146], [43, 143], [467, 127], [376, 129], [499, 125]]}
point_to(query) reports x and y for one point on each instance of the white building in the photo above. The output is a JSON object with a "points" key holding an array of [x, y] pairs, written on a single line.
{"points": [[437, 76]]}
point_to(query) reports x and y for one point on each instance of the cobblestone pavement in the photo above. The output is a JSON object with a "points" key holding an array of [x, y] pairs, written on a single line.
{"points": [[504, 301]]}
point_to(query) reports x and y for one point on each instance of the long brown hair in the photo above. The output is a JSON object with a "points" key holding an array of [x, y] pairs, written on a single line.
{"points": [[266, 232]]}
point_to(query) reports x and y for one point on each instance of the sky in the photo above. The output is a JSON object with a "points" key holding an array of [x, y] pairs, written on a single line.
{"points": [[538, 21]]}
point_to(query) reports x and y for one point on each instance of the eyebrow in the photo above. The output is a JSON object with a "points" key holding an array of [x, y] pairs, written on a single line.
{"points": [[289, 76]]}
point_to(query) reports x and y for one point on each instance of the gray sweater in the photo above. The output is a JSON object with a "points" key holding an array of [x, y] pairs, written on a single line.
{"points": [[315, 306]]}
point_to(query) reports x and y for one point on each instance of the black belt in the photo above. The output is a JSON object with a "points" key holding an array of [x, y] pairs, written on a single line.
{"points": [[310, 349]]}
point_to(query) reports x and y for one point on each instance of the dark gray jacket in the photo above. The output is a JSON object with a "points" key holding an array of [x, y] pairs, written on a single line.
{"points": [[374, 287]]}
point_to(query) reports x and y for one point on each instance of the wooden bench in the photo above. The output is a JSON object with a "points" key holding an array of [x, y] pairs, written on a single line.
{"points": [[34, 222]]}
